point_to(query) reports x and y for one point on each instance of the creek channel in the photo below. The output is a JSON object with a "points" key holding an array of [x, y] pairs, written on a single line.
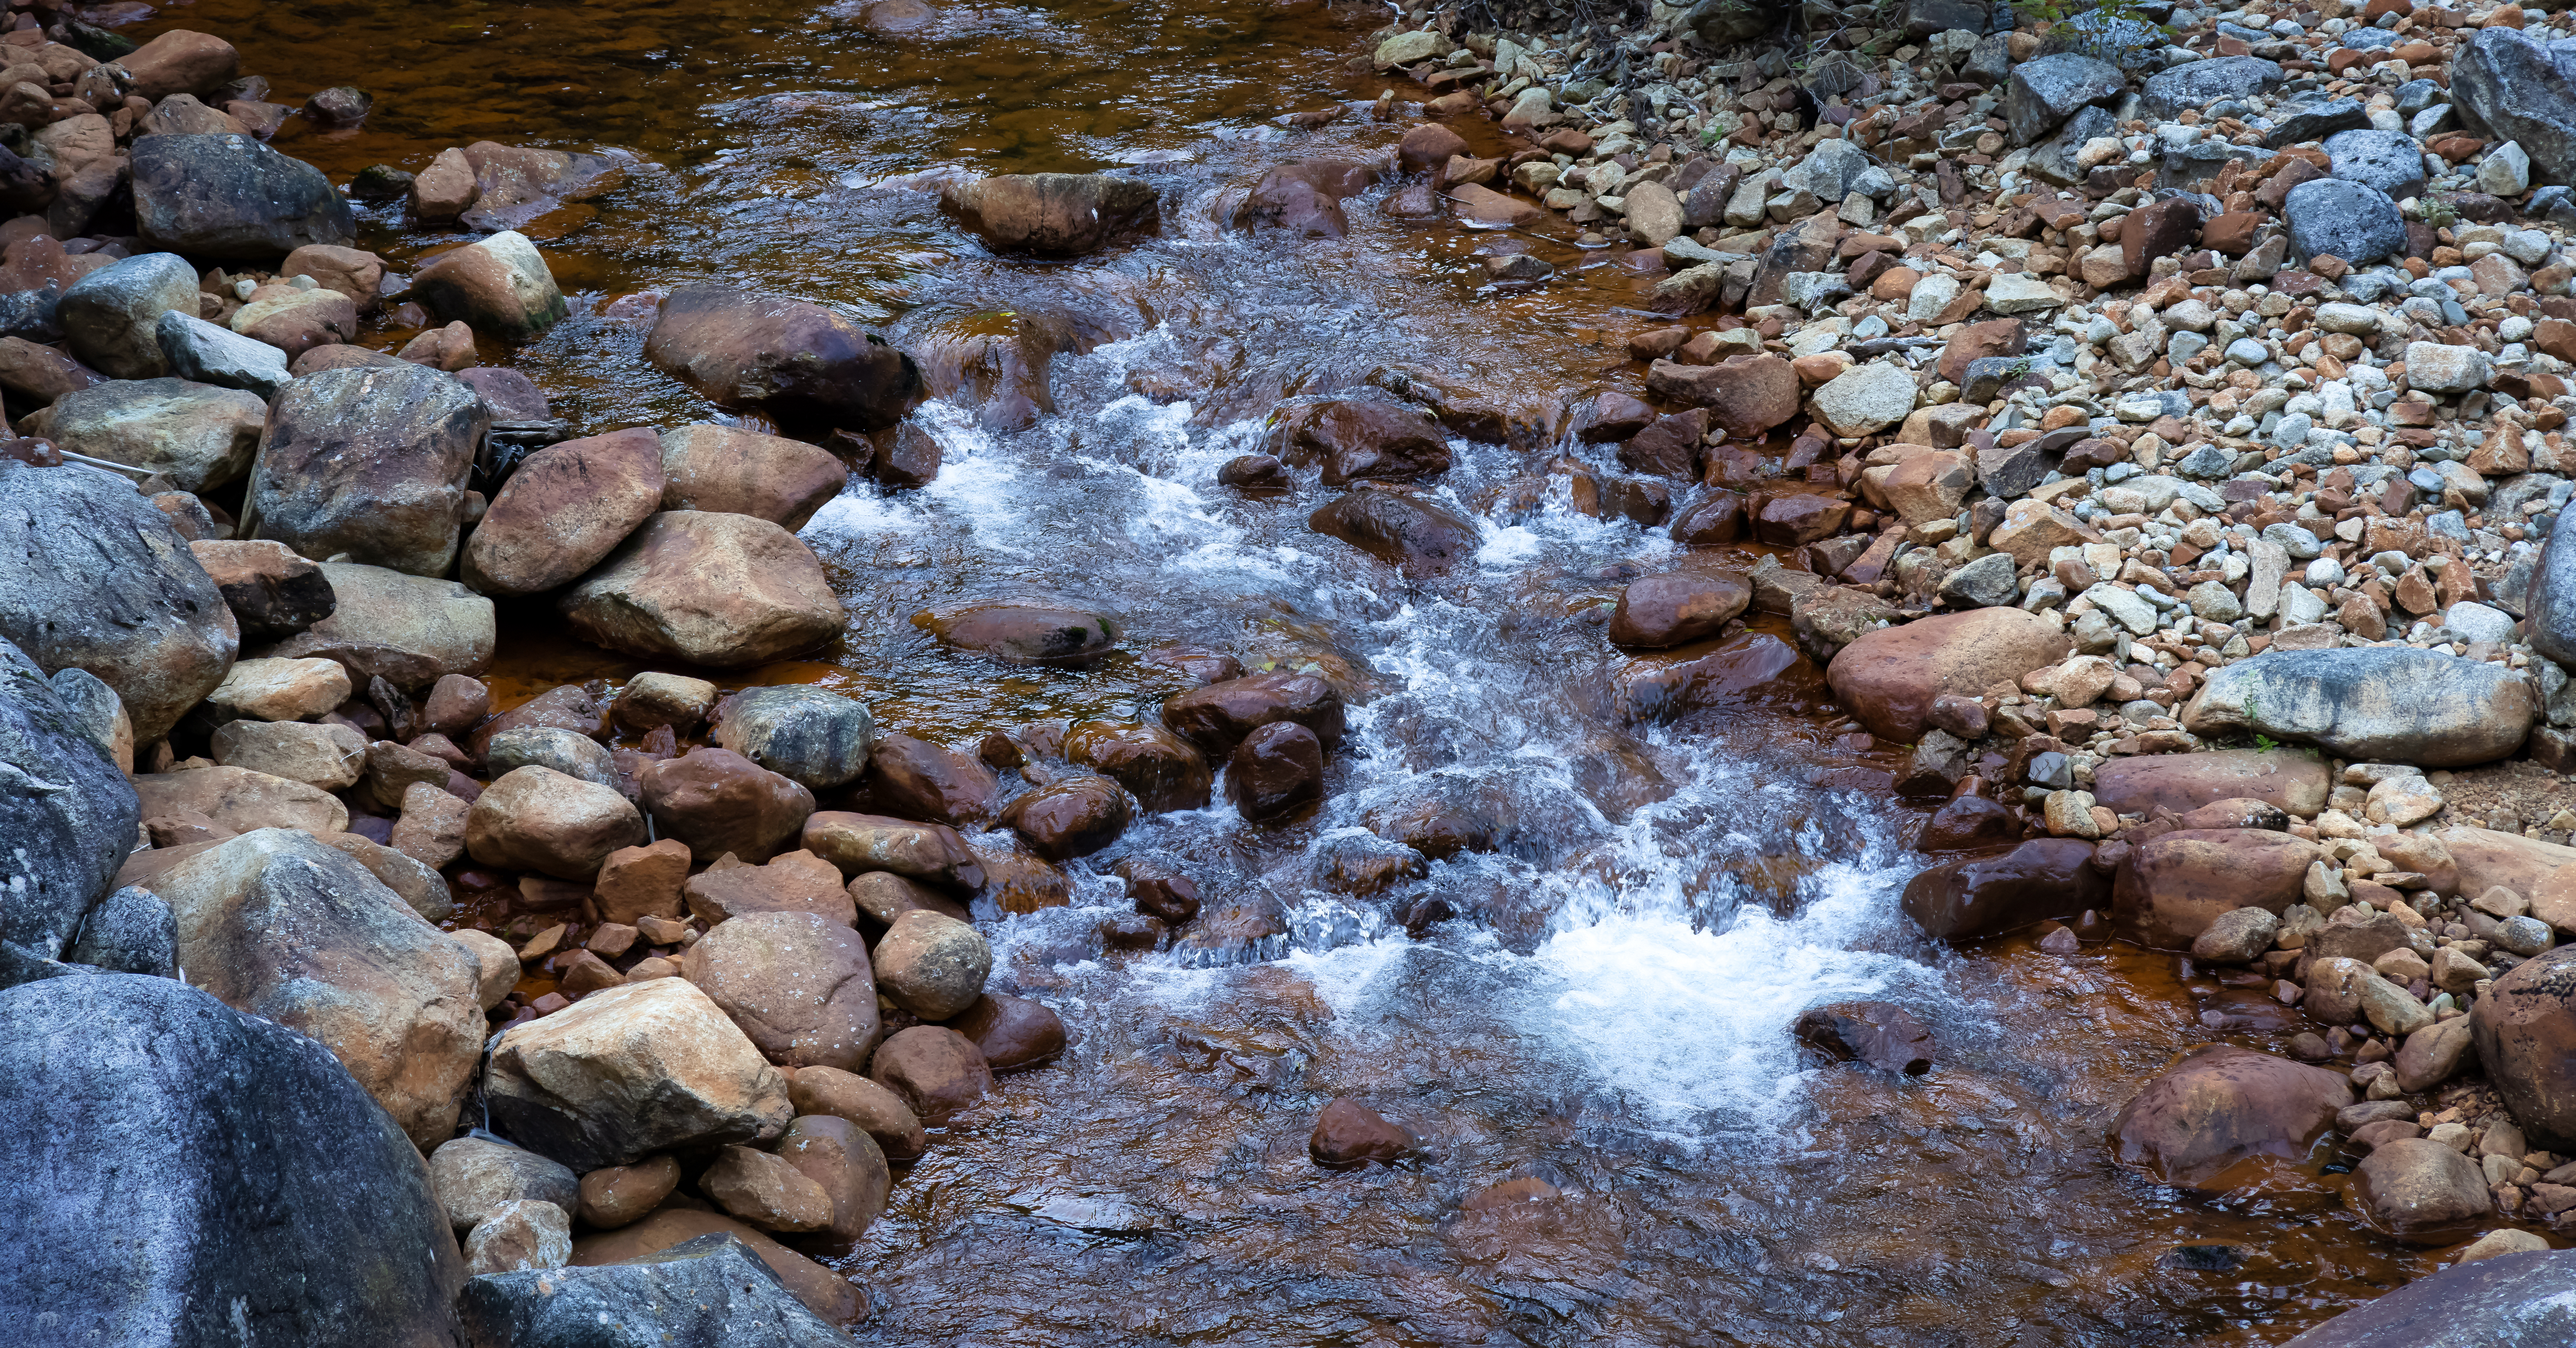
{"points": [[1622, 1143]]}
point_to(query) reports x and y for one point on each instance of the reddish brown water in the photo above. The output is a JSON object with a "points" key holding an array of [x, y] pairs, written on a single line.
{"points": [[1609, 1013]]}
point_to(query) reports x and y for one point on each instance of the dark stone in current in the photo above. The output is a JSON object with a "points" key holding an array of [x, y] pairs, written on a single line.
{"points": [[131, 931], [1276, 771], [67, 816], [230, 196], [1882, 1034], [708, 1292], [799, 362], [1410, 531], [179, 1170], [1969, 822], [2008, 890], [2510, 1301]]}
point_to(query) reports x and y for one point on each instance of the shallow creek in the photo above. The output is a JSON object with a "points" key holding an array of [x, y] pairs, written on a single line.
{"points": [[1608, 1011]]}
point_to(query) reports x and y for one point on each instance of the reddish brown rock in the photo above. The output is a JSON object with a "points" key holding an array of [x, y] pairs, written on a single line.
{"points": [[930, 853], [1024, 633], [1794, 519], [845, 1162], [798, 983], [1669, 447], [537, 819], [272, 591], [2173, 886], [716, 801], [874, 1109], [1055, 214], [1070, 817], [620, 1195], [1968, 822], [1715, 522], [1660, 612], [801, 363], [639, 882], [1355, 438], [1413, 532], [1304, 198], [934, 1070], [2525, 1027], [180, 62], [1160, 769], [792, 882], [1888, 678], [1745, 397], [2422, 1192], [707, 589], [2219, 1108], [1996, 337], [734, 471], [2156, 230], [1349, 1135], [567, 507], [1747, 669], [1885, 1036], [1427, 147], [915, 779], [1218, 716], [2005, 891], [2293, 779], [1011, 1032], [1276, 771]]}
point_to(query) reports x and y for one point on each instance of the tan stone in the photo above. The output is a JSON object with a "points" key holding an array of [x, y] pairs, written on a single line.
{"points": [[280, 690], [740, 472], [620, 1195], [431, 828], [711, 589], [538, 819], [630, 1071], [765, 1191], [326, 757], [638, 882], [242, 800], [565, 508], [1887, 679], [797, 983], [793, 882], [878, 1112]]}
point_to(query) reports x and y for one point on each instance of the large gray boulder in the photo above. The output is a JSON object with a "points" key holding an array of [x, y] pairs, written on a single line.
{"points": [[2550, 611], [2045, 92], [2381, 704], [2194, 85], [67, 814], [711, 1291], [199, 436], [2510, 1301], [230, 196], [92, 575], [179, 1170], [280, 924], [799, 362], [2388, 160], [2349, 220], [112, 316], [371, 462], [2509, 85], [212, 354]]}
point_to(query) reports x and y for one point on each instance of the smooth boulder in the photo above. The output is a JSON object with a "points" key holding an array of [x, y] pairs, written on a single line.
{"points": [[568, 506], [741, 472], [411, 631], [498, 285], [797, 983], [2511, 1301], [1056, 214], [2371, 704], [1997, 892], [2525, 1030], [708, 589], [799, 362], [112, 316], [1888, 678], [2172, 887], [2221, 1106], [811, 736], [629, 1071]]}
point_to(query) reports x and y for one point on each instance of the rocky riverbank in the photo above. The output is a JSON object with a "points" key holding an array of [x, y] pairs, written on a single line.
{"points": [[2108, 406]]}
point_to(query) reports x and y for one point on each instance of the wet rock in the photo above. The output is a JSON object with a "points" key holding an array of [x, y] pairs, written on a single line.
{"points": [[812, 737], [2518, 1301], [734, 471], [109, 586], [792, 882], [930, 853], [1011, 1032], [279, 924], [1159, 768], [2387, 704], [498, 285], [1160, 892], [370, 463], [2220, 1107], [1675, 609], [473, 1177], [845, 1162], [708, 589], [799, 362], [2350, 220], [866, 1105], [1070, 817], [1884, 1035], [1749, 668], [712, 1290], [2005, 891], [1354, 439], [1888, 679], [2526, 1040], [112, 316], [765, 1191], [1398, 527], [1968, 823], [515, 185], [353, 272], [1276, 770], [230, 196], [931, 965], [914, 779], [1219, 716], [538, 819], [935, 1071], [408, 630], [1745, 397], [1025, 633], [2510, 86], [165, 1206], [199, 351], [2294, 780], [2422, 1191], [1349, 1135], [1304, 198], [629, 1071], [68, 814], [825, 1293], [2173, 887], [2045, 92], [798, 984], [566, 507], [199, 436], [1055, 214]]}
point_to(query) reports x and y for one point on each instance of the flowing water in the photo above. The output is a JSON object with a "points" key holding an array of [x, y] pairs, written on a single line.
{"points": [[1600, 1023]]}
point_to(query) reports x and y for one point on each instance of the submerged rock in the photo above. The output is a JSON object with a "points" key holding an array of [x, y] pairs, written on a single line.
{"points": [[2005, 891], [2510, 1301], [1881, 1034], [2220, 1106], [1056, 214]]}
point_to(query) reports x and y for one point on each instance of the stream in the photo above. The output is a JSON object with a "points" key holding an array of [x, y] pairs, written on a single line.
{"points": [[1588, 1025]]}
